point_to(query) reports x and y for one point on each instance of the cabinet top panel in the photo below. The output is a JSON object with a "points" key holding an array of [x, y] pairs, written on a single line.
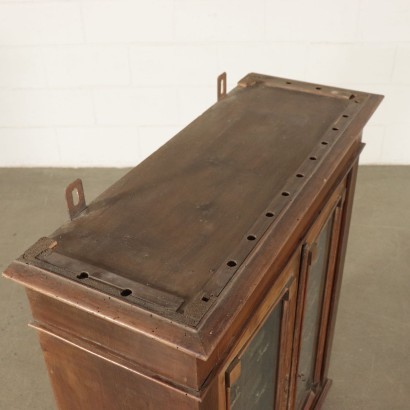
{"points": [[170, 235]]}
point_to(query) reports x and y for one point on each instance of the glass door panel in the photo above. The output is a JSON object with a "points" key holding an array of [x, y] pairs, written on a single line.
{"points": [[314, 295], [254, 387]]}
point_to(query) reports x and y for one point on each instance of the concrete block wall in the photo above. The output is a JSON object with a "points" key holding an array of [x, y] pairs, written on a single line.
{"points": [[105, 82]]}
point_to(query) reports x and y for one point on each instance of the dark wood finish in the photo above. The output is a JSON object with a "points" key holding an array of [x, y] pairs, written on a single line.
{"points": [[108, 337], [104, 383], [157, 290]]}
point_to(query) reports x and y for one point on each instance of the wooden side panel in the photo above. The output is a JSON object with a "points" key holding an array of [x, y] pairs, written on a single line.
{"points": [[161, 359], [84, 381]]}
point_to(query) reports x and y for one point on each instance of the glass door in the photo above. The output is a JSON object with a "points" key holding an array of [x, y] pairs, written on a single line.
{"points": [[258, 376], [257, 367], [315, 289]]}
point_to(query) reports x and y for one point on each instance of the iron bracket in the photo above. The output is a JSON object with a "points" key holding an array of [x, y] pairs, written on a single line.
{"points": [[77, 205], [221, 86]]}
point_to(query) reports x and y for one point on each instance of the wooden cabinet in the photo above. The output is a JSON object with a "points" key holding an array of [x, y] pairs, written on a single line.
{"points": [[208, 276]]}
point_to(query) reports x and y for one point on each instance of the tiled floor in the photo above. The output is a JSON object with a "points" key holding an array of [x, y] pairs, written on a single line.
{"points": [[371, 355]]}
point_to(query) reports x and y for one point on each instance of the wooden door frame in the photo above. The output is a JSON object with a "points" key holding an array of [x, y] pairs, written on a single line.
{"points": [[284, 290], [332, 209]]}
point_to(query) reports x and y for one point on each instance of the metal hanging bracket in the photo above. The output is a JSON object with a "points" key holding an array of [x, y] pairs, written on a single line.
{"points": [[221, 86], [74, 195]]}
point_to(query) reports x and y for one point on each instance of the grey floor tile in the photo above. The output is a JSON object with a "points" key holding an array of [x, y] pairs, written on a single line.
{"points": [[370, 364], [32, 205]]}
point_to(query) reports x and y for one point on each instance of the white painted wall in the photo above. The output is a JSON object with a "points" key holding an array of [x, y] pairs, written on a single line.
{"points": [[104, 83]]}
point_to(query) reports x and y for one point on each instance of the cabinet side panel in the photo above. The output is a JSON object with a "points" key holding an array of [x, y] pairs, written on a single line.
{"points": [[82, 380], [132, 345]]}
